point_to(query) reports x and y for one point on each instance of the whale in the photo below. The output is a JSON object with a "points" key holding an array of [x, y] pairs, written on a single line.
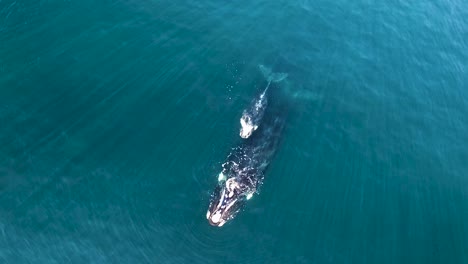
{"points": [[243, 171], [253, 115]]}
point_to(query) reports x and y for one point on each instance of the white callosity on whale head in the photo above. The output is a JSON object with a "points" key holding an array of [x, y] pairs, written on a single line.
{"points": [[221, 177], [215, 219], [247, 126]]}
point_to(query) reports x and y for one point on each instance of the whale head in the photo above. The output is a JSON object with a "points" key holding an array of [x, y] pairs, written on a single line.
{"points": [[247, 126], [227, 200]]}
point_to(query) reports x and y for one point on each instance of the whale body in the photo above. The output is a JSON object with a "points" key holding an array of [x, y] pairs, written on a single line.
{"points": [[253, 115]]}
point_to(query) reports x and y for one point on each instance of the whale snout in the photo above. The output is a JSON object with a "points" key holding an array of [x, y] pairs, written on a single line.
{"points": [[215, 219], [244, 133], [227, 200]]}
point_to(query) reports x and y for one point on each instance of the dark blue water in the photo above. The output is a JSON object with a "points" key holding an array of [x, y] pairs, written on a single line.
{"points": [[117, 115]]}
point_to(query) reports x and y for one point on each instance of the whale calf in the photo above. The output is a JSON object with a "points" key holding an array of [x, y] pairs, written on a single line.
{"points": [[252, 116], [243, 171]]}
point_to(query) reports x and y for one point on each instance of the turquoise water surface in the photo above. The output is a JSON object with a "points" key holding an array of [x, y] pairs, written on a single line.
{"points": [[117, 115]]}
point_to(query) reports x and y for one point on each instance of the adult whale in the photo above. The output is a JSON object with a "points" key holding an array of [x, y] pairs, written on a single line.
{"points": [[253, 115], [243, 172]]}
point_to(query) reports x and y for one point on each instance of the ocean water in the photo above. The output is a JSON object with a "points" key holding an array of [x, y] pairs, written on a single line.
{"points": [[115, 118]]}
